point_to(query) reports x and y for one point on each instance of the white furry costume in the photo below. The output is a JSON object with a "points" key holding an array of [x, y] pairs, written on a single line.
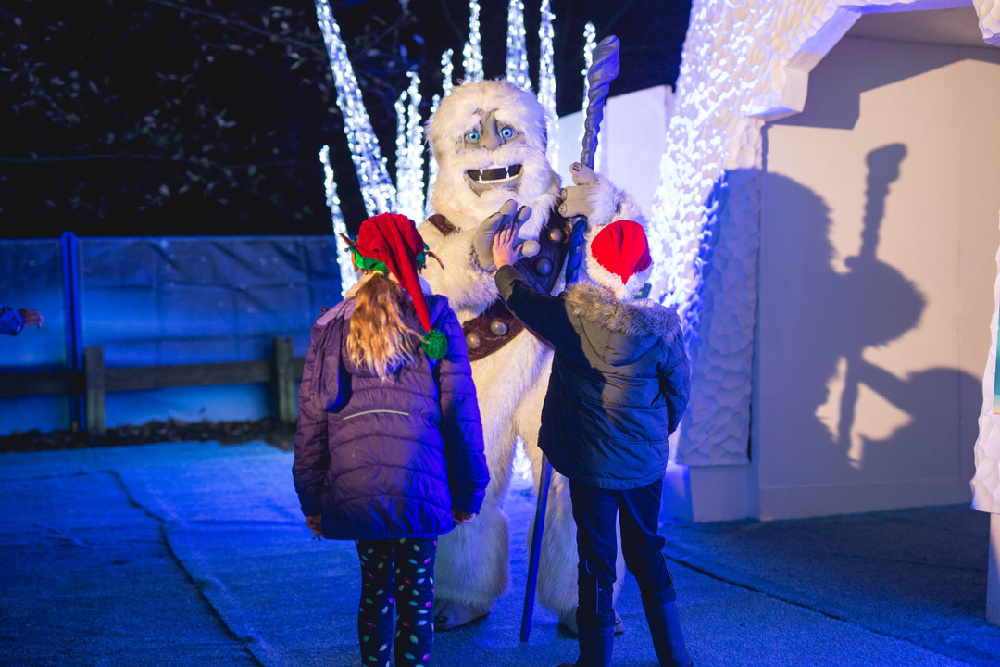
{"points": [[472, 561]]}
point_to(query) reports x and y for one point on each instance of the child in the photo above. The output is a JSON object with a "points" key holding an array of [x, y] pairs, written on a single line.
{"points": [[618, 388], [389, 445]]}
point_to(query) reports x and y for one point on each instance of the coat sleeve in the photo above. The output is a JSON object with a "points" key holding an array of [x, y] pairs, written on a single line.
{"points": [[312, 452], [461, 424], [674, 375], [543, 314]]}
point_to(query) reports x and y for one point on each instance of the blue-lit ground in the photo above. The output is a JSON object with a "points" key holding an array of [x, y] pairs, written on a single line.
{"points": [[196, 554]]}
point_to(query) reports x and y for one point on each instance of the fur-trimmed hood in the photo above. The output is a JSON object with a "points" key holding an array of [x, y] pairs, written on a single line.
{"points": [[630, 326]]}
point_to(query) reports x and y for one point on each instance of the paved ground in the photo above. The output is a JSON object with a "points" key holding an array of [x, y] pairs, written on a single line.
{"points": [[196, 554]]}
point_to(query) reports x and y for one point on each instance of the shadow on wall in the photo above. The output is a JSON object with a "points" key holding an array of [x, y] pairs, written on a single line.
{"points": [[816, 324]]}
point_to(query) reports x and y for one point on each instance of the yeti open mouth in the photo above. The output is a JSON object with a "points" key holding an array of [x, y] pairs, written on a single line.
{"points": [[498, 175]]}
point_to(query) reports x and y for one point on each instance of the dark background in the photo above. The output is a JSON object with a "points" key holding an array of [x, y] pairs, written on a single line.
{"points": [[163, 117]]}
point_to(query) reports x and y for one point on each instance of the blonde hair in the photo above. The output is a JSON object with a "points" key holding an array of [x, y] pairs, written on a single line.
{"points": [[381, 336]]}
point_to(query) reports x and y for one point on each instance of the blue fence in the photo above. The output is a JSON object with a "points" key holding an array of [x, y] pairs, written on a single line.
{"points": [[155, 301]]}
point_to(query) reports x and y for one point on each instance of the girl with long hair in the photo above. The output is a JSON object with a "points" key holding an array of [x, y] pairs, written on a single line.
{"points": [[389, 445]]}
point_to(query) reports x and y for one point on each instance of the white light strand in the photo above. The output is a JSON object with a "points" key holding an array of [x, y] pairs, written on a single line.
{"points": [[589, 43], [376, 187], [547, 79], [517, 51], [347, 275], [447, 72], [409, 151], [432, 168], [473, 52]]}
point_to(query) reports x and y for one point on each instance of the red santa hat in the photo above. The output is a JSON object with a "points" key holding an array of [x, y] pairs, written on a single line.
{"points": [[390, 242], [619, 257]]}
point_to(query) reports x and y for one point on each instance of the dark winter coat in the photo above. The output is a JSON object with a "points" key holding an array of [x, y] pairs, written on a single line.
{"points": [[388, 459], [619, 385]]}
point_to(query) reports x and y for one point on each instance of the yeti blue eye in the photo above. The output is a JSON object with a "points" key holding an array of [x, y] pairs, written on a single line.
{"points": [[472, 135], [507, 132]]}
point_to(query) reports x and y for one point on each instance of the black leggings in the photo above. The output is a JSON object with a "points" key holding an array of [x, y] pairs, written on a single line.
{"points": [[396, 573]]}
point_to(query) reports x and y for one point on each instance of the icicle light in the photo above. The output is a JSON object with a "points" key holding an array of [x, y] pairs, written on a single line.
{"points": [[589, 42], [547, 78], [347, 275], [447, 72], [409, 151], [376, 187], [473, 51], [517, 51], [432, 167]]}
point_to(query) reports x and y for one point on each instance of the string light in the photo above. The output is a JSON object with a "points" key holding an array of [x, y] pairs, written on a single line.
{"points": [[376, 187], [547, 79], [517, 51], [473, 51], [589, 43], [347, 274], [409, 151], [447, 72]]}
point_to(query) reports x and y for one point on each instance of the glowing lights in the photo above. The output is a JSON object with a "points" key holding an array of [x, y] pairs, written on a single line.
{"points": [[589, 42], [472, 54], [517, 51], [376, 188], [410, 151], [447, 72], [347, 275], [547, 78]]}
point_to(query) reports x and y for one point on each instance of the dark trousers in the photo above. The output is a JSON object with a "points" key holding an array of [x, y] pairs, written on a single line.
{"points": [[595, 511], [396, 575]]}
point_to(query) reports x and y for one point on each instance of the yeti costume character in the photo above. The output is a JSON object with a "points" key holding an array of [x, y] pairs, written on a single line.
{"points": [[489, 140]]}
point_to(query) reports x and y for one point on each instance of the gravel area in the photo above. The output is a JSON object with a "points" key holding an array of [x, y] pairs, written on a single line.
{"points": [[269, 430]]}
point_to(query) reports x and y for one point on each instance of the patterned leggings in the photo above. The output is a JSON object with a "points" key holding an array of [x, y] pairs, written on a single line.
{"points": [[405, 567]]}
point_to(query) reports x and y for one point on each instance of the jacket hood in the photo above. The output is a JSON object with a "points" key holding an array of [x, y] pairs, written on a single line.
{"points": [[619, 330]]}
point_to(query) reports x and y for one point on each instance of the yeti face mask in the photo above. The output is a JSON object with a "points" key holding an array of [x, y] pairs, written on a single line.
{"points": [[488, 138]]}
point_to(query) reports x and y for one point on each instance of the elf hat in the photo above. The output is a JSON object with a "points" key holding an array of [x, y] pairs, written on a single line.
{"points": [[390, 242], [619, 257]]}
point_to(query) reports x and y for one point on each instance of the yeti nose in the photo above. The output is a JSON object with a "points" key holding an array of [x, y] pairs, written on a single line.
{"points": [[491, 138]]}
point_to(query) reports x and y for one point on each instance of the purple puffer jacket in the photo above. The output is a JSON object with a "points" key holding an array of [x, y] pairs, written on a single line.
{"points": [[388, 459]]}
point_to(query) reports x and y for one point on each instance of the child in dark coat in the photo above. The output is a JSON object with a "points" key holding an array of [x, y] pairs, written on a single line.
{"points": [[389, 445], [618, 388]]}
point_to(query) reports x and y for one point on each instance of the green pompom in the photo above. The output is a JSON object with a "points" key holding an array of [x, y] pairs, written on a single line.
{"points": [[435, 344]]}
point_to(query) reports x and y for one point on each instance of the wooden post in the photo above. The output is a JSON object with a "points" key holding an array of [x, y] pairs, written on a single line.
{"points": [[993, 575], [95, 389], [283, 380]]}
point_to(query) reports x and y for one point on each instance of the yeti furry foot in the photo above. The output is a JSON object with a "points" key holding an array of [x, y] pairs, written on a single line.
{"points": [[449, 614], [567, 622]]}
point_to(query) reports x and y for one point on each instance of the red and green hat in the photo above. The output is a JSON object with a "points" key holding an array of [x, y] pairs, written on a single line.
{"points": [[390, 242]]}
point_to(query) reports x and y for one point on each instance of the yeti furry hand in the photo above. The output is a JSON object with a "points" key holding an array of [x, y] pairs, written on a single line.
{"points": [[579, 198], [483, 238]]}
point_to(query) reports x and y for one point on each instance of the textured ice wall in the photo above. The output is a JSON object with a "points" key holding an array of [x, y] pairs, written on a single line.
{"points": [[744, 62], [986, 482]]}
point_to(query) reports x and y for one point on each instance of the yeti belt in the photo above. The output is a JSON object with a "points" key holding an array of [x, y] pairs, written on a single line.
{"points": [[497, 326]]}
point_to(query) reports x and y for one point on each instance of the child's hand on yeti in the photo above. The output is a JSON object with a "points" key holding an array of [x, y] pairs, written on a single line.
{"points": [[509, 213], [504, 252]]}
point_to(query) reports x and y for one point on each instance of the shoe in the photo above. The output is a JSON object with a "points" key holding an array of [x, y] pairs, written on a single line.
{"points": [[668, 640], [596, 645]]}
